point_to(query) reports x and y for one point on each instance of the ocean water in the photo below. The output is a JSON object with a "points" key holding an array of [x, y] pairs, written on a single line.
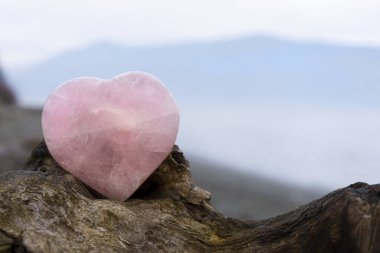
{"points": [[309, 146]]}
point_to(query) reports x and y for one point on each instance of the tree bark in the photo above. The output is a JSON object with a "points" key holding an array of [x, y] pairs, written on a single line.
{"points": [[44, 209]]}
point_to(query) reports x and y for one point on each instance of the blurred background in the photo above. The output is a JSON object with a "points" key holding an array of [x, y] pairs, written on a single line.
{"points": [[279, 99]]}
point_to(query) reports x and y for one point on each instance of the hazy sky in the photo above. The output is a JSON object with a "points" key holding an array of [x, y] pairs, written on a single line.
{"points": [[33, 30]]}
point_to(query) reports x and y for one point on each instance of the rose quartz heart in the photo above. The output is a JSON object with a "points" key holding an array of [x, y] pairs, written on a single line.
{"points": [[111, 134]]}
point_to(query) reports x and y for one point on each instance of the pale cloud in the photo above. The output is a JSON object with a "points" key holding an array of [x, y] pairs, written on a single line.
{"points": [[33, 30]]}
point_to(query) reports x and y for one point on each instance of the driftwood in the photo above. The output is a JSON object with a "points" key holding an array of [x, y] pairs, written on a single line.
{"points": [[44, 209]]}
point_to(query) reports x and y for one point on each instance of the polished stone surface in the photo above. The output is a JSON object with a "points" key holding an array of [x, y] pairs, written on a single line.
{"points": [[111, 134]]}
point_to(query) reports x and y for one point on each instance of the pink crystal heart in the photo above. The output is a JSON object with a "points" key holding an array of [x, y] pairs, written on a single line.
{"points": [[111, 134]]}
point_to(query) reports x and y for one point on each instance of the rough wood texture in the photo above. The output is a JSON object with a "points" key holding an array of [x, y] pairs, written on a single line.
{"points": [[44, 209]]}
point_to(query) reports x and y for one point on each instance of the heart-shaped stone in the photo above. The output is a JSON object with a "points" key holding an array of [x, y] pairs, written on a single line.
{"points": [[111, 134]]}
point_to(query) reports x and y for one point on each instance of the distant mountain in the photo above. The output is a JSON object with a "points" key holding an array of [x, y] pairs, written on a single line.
{"points": [[6, 95], [284, 110], [250, 69]]}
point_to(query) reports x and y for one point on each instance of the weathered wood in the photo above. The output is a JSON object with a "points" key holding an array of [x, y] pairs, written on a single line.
{"points": [[44, 209]]}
